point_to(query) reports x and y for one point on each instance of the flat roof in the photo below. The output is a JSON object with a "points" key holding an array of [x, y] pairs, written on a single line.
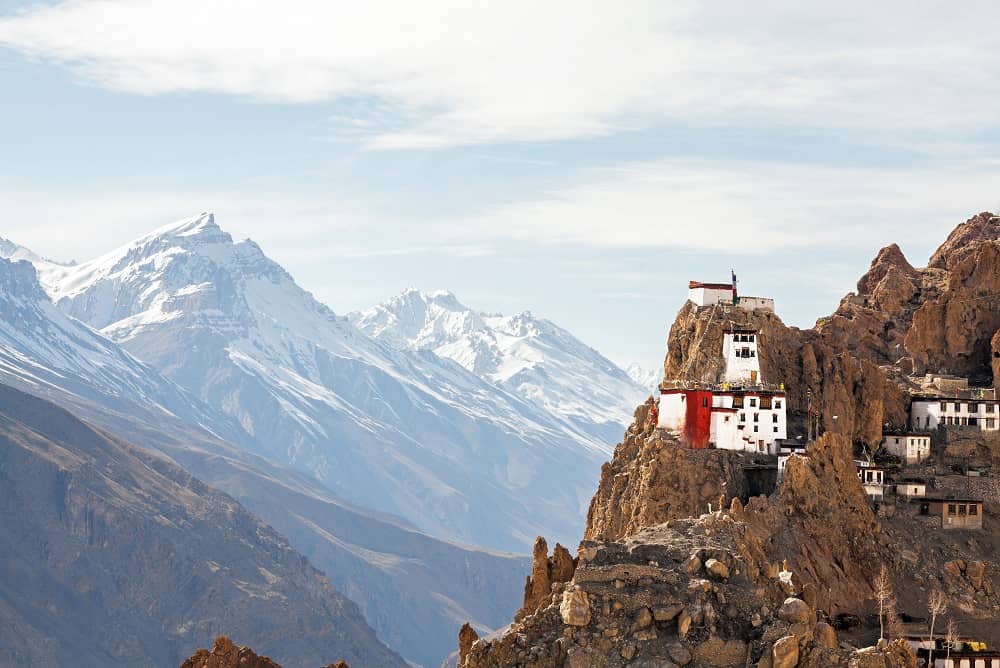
{"points": [[939, 499], [713, 286], [933, 398]]}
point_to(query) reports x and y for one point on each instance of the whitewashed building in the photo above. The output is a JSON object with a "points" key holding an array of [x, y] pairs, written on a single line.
{"points": [[872, 479], [928, 413], [740, 413], [711, 294], [911, 489], [910, 448]]}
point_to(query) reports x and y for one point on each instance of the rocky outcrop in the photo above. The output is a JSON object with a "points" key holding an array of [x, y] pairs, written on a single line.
{"points": [[722, 589], [225, 654], [651, 479], [819, 520], [983, 227], [545, 571], [467, 636]]}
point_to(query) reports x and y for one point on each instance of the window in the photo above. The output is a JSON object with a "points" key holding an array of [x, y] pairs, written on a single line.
{"points": [[973, 509], [991, 408], [961, 509], [727, 418], [774, 417], [991, 423], [740, 426], [973, 408], [973, 421], [704, 402], [765, 402], [944, 407], [951, 508], [750, 338], [958, 407], [753, 403], [756, 429], [743, 417], [738, 402], [775, 430], [777, 403], [753, 353], [927, 420], [756, 417]]}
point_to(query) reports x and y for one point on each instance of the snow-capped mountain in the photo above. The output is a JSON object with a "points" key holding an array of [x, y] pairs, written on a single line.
{"points": [[47, 353], [402, 431], [414, 589], [647, 378], [529, 356]]}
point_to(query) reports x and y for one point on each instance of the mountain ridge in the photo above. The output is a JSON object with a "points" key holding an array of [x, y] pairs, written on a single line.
{"points": [[413, 588]]}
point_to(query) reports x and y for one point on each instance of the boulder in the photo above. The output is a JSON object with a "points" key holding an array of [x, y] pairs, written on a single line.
{"points": [[975, 571], [665, 613], [643, 619], [825, 635], [717, 569], [785, 652], [795, 610], [575, 608]]}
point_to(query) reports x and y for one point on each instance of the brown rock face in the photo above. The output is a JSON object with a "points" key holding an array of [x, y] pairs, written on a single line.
{"points": [[466, 637], [225, 654], [995, 351], [983, 226], [889, 258], [546, 571], [652, 479]]}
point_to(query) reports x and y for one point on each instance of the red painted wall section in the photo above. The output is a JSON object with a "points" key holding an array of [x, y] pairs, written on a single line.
{"points": [[698, 418]]}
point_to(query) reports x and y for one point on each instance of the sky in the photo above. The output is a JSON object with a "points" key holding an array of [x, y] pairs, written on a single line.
{"points": [[582, 160]]}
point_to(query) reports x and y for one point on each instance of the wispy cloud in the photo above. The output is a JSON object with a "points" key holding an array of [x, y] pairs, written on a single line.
{"points": [[449, 72], [743, 208]]}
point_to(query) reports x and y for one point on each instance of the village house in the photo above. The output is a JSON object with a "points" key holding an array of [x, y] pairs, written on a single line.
{"points": [[911, 488], [954, 513], [740, 413], [929, 412], [910, 448], [965, 653], [872, 479]]}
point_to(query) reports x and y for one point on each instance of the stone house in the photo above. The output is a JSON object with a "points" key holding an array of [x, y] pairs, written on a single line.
{"points": [[954, 513]]}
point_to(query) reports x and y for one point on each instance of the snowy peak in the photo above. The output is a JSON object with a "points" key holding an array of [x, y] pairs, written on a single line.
{"points": [[527, 355], [648, 378]]}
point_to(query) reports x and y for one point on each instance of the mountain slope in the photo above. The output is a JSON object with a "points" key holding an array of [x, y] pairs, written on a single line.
{"points": [[412, 588], [399, 431], [126, 560], [531, 357]]}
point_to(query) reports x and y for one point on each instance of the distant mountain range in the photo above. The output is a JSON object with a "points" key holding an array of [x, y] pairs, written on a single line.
{"points": [[114, 556], [414, 589], [527, 356], [462, 455], [246, 379]]}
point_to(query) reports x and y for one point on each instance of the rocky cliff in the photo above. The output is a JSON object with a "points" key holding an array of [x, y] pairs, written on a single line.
{"points": [[859, 363], [761, 580], [755, 584]]}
